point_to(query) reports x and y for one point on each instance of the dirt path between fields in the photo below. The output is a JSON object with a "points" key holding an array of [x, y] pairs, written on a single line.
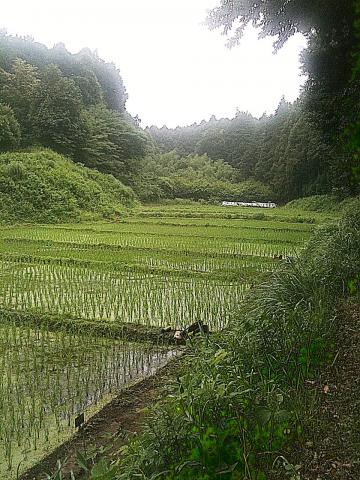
{"points": [[331, 449], [109, 429]]}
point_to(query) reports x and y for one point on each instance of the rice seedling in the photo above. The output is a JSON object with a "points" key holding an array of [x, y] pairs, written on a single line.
{"points": [[126, 297], [162, 267], [48, 378]]}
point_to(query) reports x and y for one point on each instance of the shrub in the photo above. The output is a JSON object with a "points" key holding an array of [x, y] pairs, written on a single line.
{"points": [[315, 203], [195, 178], [333, 256], [42, 186], [9, 129]]}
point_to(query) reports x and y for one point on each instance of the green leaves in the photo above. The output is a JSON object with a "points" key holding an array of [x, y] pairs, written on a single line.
{"points": [[56, 112], [103, 470], [82, 461], [197, 177], [9, 129], [74, 105], [111, 143], [219, 356]]}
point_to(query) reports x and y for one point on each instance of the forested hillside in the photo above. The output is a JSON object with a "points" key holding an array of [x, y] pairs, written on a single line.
{"points": [[180, 340], [73, 104], [43, 186], [195, 177], [305, 148], [286, 151]]}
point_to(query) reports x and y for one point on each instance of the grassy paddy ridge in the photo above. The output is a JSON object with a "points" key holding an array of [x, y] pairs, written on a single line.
{"points": [[161, 266]]}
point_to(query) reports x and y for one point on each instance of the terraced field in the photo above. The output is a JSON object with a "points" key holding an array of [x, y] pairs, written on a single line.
{"points": [[161, 266]]}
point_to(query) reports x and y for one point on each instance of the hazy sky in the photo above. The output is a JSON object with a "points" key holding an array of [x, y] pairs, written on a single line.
{"points": [[175, 70]]}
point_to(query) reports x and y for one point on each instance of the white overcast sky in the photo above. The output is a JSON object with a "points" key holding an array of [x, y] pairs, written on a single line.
{"points": [[175, 70]]}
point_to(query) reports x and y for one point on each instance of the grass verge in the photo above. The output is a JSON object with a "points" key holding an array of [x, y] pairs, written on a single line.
{"points": [[125, 331]]}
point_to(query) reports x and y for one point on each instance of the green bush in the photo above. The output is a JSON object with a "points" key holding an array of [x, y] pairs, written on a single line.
{"points": [[208, 190], [9, 129], [322, 203], [195, 177], [348, 203], [44, 187], [315, 203], [333, 256]]}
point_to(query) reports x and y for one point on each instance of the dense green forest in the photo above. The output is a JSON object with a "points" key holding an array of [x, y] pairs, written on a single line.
{"points": [[286, 151], [331, 94], [195, 177], [73, 104], [305, 148], [76, 105]]}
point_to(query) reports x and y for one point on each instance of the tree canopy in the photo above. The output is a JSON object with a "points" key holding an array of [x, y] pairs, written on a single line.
{"points": [[73, 104], [331, 61], [285, 151]]}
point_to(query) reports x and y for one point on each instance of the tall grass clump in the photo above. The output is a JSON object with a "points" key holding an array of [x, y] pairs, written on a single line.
{"points": [[241, 395], [334, 253]]}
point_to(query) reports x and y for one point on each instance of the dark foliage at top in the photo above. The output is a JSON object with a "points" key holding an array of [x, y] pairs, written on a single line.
{"points": [[331, 61]]}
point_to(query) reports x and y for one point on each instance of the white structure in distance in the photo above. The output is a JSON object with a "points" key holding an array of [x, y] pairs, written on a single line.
{"points": [[249, 204]]}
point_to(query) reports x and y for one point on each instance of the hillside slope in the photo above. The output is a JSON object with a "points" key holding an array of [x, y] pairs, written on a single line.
{"points": [[42, 186]]}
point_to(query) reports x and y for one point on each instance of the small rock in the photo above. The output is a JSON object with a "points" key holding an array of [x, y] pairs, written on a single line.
{"points": [[178, 335]]}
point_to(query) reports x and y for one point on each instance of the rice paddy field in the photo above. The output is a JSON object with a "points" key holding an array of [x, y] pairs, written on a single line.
{"points": [[159, 266]]}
